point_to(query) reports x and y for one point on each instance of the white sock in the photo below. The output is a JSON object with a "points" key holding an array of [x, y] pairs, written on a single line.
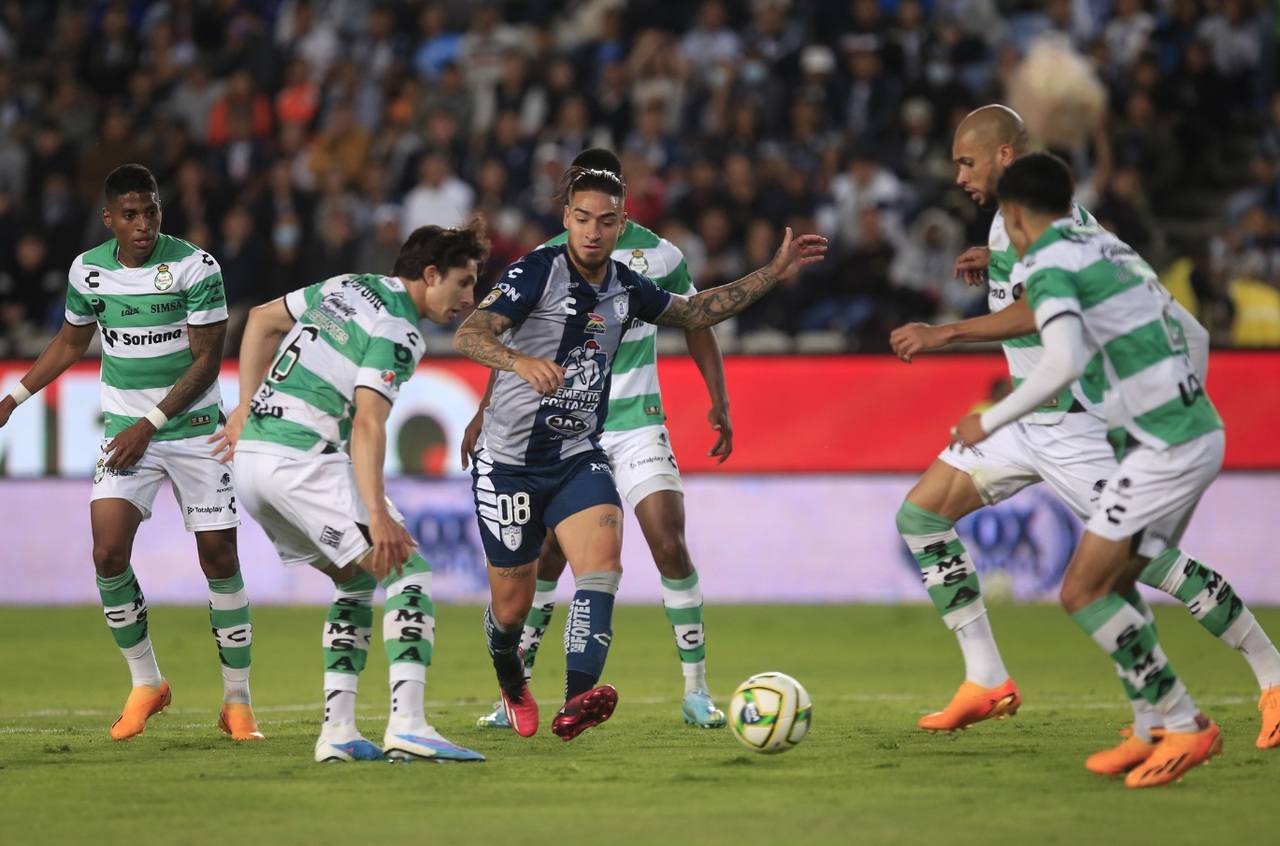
{"points": [[982, 662], [142, 664], [339, 699], [408, 684], [235, 685]]}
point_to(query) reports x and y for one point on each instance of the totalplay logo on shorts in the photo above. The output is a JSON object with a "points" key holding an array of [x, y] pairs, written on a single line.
{"points": [[205, 509]]}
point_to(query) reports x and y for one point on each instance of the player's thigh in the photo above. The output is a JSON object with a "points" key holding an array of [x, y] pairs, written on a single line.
{"points": [[205, 489], [136, 485], [510, 504], [996, 469], [309, 508], [642, 462], [586, 514], [1074, 458], [1153, 493]]}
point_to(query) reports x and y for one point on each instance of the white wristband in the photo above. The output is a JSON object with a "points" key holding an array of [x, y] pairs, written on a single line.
{"points": [[156, 417], [19, 394]]}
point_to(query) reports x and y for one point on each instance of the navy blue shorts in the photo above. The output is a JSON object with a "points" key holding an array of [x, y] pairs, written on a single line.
{"points": [[515, 506]]}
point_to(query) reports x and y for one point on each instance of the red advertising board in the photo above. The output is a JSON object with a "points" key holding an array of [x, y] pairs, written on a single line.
{"points": [[791, 414]]}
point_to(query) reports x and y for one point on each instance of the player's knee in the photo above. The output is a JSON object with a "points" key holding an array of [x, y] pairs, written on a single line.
{"points": [[915, 520], [671, 555], [109, 560]]}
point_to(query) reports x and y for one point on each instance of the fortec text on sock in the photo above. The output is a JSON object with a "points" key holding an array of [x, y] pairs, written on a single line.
{"points": [[578, 627]]}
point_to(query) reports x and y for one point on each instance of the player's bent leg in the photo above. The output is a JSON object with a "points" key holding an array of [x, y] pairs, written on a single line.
{"points": [[1214, 604], [232, 630], [1099, 568], [662, 519], [926, 522], [348, 628], [114, 523], [511, 592]]}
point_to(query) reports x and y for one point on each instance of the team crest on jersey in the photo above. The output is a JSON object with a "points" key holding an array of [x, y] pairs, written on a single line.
{"points": [[511, 537], [164, 279], [595, 324], [490, 298], [638, 262], [622, 306]]}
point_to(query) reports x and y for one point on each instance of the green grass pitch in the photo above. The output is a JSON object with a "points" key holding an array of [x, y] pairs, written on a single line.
{"points": [[864, 775]]}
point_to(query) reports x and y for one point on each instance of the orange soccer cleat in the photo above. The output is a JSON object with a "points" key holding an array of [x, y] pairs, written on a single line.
{"points": [[237, 720], [1269, 705], [973, 704], [1177, 752], [1131, 752], [143, 702]]}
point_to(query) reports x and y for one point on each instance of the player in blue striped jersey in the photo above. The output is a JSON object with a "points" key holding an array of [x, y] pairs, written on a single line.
{"points": [[552, 327]]}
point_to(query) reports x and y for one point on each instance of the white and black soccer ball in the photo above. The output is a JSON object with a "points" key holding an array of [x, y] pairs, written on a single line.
{"points": [[770, 712]]}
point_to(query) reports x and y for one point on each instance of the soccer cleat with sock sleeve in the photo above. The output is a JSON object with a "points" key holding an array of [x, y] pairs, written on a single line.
{"points": [[973, 704], [144, 702]]}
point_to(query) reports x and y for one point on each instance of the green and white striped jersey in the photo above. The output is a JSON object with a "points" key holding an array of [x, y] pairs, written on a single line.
{"points": [[1152, 391], [635, 399], [352, 331], [143, 313], [1023, 354]]}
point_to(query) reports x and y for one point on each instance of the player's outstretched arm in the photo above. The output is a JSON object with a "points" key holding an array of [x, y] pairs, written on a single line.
{"points": [[267, 324], [66, 348], [716, 305], [392, 543], [478, 339], [704, 348], [1008, 323]]}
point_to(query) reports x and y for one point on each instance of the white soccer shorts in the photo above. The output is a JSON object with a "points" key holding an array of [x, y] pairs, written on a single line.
{"points": [[1155, 492], [1073, 457], [205, 489], [309, 507], [642, 461]]}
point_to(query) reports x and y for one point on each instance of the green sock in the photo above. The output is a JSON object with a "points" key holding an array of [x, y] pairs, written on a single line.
{"points": [[682, 601], [347, 630], [1121, 631], [232, 631], [949, 573], [536, 623], [125, 608], [408, 632], [1214, 604]]}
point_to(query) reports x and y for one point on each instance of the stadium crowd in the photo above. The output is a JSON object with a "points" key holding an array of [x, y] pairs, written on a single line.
{"points": [[297, 139]]}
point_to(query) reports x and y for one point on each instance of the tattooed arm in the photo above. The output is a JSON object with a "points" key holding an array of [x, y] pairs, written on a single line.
{"points": [[478, 339], [707, 308]]}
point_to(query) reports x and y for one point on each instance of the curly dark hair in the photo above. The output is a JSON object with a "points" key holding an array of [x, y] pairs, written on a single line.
{"points": [[442, 248]]}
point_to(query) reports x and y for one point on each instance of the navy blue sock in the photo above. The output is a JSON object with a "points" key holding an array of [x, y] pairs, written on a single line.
{"points": [[504, 648], [588, 631]]}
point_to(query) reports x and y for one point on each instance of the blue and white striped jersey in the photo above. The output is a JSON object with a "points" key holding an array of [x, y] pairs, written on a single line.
{"points": [[556, 314]]}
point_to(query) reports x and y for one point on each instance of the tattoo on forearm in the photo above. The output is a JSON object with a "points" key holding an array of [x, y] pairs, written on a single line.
{"points": [[708, 308], [477, 339], [206, 353]]}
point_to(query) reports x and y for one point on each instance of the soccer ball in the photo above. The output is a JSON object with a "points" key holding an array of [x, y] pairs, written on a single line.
{"points": [[770, 712]]}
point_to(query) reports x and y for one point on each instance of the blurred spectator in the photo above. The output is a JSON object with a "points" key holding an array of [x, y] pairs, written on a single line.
{"points": [[871, 103], [344, 144], [332, 249], [241, 99], [116, 145], [298, 99], [1123, 210], [924, 266], [710, 41], [192, 100], [242, 254], [110, 54], [724, 262], [1127, 34], [438, 43], [439, 198], [855, 301], [377, 250], [301, 33], [1234, 36], [30, 289], [864, 183]]}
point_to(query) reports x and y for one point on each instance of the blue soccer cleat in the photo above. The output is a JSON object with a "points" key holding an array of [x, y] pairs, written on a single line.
{"points": [[700, 711], [344, 743], [420, 742]]}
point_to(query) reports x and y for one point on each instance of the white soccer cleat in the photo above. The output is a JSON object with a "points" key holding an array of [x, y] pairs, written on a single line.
{"points": [[418, 741], [344, 743]]}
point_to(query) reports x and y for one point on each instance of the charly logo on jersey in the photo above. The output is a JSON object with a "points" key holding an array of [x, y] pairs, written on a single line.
{"points": [[622, 306], [164, 279], [595, 324], [638, 262], [512, 536]]}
